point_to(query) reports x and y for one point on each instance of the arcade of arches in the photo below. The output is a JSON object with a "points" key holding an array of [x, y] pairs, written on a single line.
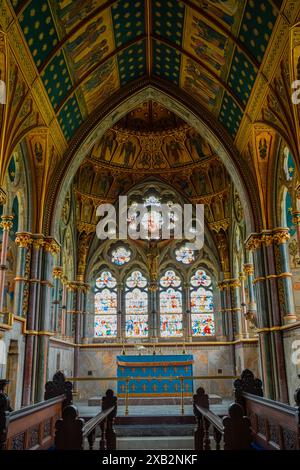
{"points": [[165, 102]]}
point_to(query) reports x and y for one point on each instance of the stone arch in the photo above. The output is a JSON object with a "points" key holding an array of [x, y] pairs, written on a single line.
{"points": [[102, 120]]}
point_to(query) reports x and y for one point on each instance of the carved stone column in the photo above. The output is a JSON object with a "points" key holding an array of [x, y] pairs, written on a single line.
{"points": [[271, 308], [57, 277], [120, 333], [23, 241], [187, 312], [249, 272], [244, 326], [296, 222], [32, 292], [6, 224], [50, 249], [235, 285], [64, 306]]}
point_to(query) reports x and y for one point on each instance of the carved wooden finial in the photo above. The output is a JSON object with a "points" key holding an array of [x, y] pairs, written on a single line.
{"points": [[247, 383], [68, 434], [201, 398], [59, 386], [237, 429]]}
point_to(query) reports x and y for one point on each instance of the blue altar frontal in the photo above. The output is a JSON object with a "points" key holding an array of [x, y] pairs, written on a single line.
{"points": [[153, 375]]}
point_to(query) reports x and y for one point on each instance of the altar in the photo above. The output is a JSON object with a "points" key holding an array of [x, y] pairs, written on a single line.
{"points": [[155, 375]]}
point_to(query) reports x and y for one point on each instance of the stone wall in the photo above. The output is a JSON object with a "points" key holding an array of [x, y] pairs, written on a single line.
{"points": [[61, 357], [100, 361], [292, 360]]}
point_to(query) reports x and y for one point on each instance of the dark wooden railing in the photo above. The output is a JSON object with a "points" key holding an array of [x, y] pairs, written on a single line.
{"points": [[274, 425], [71, 431], [252, 422], [234, 429], [32, 427]]}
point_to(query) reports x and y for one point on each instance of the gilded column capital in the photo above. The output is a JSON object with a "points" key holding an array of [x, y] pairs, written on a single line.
{"points": [[57, 272], [23, 239], [281, 235], [253, 242], [248, 269], [51, 246], [234, 283], [267, 239], [222, 285], [6, 222]]}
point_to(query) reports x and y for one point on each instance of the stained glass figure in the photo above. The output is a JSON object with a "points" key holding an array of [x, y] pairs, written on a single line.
{"points": [[105, 305], [106, 302], [105, 326], [120, 256], [170, 279], [185, 255], [200, 278], [170, 325], [136, 279], [202, 300], [170, 301], [203, 325], [136, 325], [106, 280], [202, 305], [170, 304], [136, 304]]}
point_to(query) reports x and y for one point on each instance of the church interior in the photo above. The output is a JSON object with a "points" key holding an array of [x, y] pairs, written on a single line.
{"points": [[169, 103]]}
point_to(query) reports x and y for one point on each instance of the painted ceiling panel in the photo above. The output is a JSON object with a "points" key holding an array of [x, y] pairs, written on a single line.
{"points": [[132, 62], [85, 50], [166, 62], [242, 76], [230, 114], [70, 117], [257, 25], [128, 20], [57, 79], [168, 19], [39, 30]]}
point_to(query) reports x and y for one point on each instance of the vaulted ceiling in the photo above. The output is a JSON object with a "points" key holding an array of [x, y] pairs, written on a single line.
{"points": [[87, 50]]}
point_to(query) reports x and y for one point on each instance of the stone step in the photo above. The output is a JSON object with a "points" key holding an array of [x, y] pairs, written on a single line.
{"points": [[156, 443], [155, 430]]}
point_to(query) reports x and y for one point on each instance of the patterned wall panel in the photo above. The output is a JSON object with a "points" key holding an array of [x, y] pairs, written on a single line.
{"points": [[57, 79], [230, 114], [70, 117]]}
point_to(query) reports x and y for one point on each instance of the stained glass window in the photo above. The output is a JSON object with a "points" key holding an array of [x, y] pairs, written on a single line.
{"points": [[185, 255], [152, 220], [136, 304], [202, 317], [170, 304], [105, 306], [120, 256]]}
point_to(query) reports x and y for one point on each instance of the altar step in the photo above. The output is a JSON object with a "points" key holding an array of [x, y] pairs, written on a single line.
{"points": [[146, 401], [156, 430], [156, 443]]}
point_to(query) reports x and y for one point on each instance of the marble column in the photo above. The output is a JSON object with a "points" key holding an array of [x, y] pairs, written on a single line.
{"points": [[64, 306], [69, 310], [6, 224], [23, 241], [296, 222], [249, 273], [120, 288], [32, 292], [187, 311], [236, 307], [57, 277], [154, 320], [269, 315], [50, 249], [244, 325]]}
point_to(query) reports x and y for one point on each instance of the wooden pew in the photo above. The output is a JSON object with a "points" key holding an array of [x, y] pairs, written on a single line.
{"points": [[33, 427]]}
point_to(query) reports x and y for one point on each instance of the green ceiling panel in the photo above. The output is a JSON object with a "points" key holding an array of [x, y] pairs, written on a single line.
{"points": [[128, 20], [16, 4], [230, 114], [168, 19], [132, 62], [56, 79], [70, 117], [242, 76], [257, 25], [166, 62], [39, 30]]}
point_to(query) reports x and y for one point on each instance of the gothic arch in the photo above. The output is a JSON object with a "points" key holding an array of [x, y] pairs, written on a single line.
{"points": [[124, 102]]}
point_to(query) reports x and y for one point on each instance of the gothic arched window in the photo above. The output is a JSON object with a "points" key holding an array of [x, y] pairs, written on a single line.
{"points": [[136, 305], [105, 305], [170, 304], [202, 305]]}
